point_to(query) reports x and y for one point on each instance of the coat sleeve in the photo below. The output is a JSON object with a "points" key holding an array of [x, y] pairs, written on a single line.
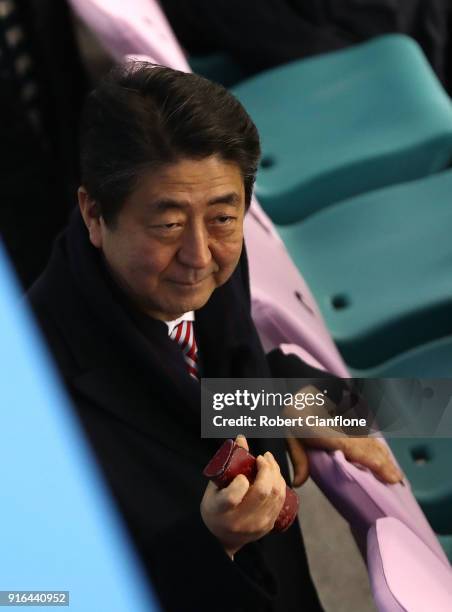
{"points": [[191, 571], [291, 366], [345, 393], [186, 564]]}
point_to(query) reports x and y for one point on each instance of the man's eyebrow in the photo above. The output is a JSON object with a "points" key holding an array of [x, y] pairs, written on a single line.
{"points": [[228, 198], [164, 204]]}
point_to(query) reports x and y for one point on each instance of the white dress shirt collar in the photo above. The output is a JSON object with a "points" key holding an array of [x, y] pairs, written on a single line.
{"points": [[187, 316]]}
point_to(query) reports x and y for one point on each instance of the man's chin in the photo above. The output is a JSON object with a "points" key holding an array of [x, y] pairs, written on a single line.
{"points": [[193, 304], [184, 302]]}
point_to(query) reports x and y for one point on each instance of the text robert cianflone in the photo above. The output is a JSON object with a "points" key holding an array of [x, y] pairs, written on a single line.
{"points": [[293, 422], [252, 400]]}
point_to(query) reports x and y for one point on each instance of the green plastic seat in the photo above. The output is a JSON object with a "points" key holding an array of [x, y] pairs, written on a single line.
{"points": [[427, 464], [217, 67], [380, 267], [446, 543], [426, 461], [346, 123], [431, 360]]}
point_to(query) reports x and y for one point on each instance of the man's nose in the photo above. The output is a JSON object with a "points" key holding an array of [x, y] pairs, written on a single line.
{"points": [[194, 251]]}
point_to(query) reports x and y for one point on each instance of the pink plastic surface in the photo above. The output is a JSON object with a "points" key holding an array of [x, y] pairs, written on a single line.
{"points": [[303, 354], [405, 575], [284, 309], [126, 27], [362, 499]]}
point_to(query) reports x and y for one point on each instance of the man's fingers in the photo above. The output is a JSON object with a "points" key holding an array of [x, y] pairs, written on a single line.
{"points": [[367, 453], [269, 486], [299, 461], [279, 484], [241, 441], [385, 469], [262, 485], [232, 495], [271, 462], [373, 455]]}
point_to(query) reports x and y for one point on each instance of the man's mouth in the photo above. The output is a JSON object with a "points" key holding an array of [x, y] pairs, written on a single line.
{"points": [[191, 283]]}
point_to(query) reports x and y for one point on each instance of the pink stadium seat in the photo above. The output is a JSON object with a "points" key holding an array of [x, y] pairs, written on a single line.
{"points": [[284, 309], [405, 575], [132, 27], [362, 499], [294, 349]]}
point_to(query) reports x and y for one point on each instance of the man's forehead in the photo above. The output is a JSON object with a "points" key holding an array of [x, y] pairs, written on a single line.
{"points": [[232, 199], [187, 182]]}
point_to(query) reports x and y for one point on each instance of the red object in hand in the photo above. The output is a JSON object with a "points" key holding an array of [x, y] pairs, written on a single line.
{"points": [[229, 461]]}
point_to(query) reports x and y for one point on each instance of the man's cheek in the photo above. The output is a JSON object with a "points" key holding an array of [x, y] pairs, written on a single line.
{"points": [[226, 271], [146, 263], [231, 251]]}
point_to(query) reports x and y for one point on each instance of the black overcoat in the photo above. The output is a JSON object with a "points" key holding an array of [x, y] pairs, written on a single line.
{"points": [[141, 412]]}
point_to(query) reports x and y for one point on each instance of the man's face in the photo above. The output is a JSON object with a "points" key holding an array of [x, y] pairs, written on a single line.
{"points": [[177, 237]]}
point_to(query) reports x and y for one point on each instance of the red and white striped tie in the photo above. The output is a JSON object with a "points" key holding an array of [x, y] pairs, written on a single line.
{"points": [[184, 335]]}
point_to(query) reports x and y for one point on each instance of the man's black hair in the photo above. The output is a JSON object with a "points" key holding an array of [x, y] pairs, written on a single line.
{"points": [[142, 117]]}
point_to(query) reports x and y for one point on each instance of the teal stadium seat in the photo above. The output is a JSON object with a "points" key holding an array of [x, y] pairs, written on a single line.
{"points": [[379, 266], [427, 464], [346, 123], [217, 67], [422, 408], [430, 360], [446, 543]]}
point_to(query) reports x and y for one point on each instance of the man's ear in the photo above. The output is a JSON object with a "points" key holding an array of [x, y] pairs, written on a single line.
{"points": [[91, 216]]}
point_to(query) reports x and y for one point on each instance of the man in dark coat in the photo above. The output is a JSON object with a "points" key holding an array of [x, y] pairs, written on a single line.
{"points": [[155, 252]]}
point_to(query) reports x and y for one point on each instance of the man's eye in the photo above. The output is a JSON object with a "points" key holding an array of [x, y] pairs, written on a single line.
{"points": [[167, 227], [224, 219]]}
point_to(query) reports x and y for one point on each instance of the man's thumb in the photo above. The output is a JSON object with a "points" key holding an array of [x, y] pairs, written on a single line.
{"points": [[241, 441]]}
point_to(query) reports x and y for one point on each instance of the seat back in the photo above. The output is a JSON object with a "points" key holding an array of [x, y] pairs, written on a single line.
{"points": [[362, 499], [362, 260], [59, 526], [132, 27], [405, 575], [345, 123], [284, 310]]}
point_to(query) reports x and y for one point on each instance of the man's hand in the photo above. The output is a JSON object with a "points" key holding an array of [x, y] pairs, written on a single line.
{"points": [[242, 513], [366, 452], [299, 459]]}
